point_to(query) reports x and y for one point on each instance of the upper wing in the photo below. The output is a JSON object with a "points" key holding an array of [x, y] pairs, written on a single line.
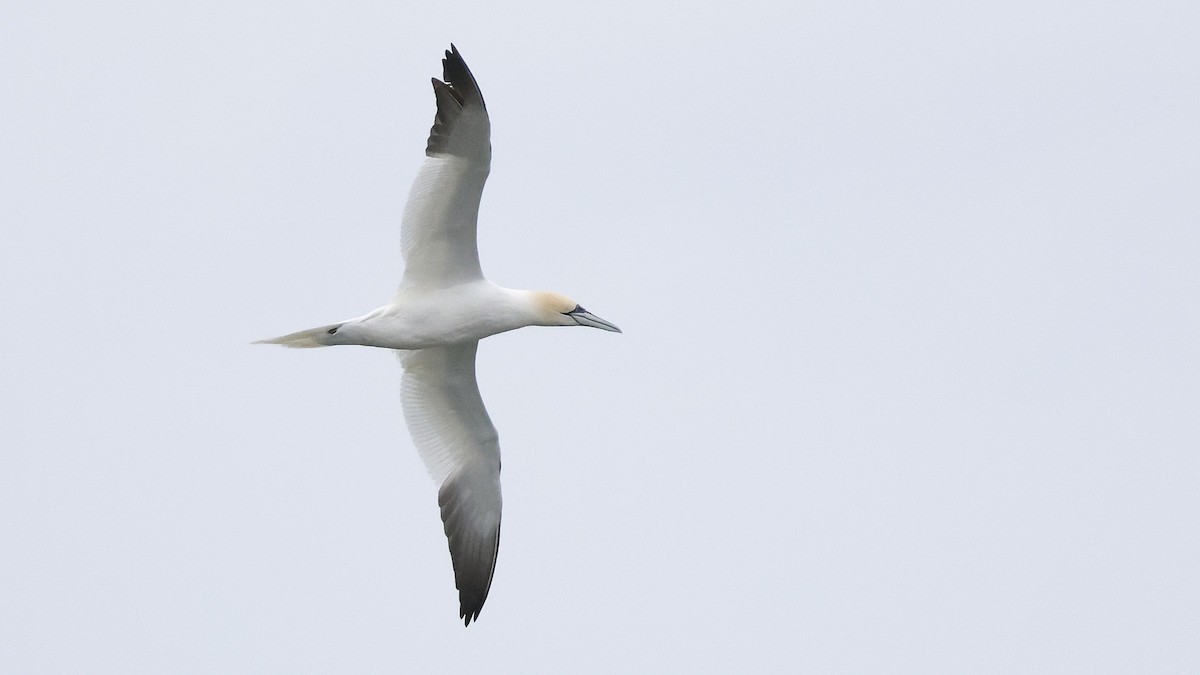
{"points": [[438, 233], [455, 437]]}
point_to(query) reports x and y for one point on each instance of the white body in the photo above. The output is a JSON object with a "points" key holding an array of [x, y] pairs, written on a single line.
{"points": [[419, 318]]}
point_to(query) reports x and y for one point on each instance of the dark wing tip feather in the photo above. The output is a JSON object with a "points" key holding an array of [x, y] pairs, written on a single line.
{"points": [[474, 559], [458, 91], [456, 74]]}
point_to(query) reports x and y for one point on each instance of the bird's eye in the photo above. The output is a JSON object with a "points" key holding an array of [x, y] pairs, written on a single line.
{"points": [[333, 330]]}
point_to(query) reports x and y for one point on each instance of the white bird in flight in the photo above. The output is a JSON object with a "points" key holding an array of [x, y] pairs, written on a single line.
{"points": [[441, 310]]}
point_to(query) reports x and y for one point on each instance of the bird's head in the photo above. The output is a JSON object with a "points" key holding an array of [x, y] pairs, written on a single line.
{"points": [[556, 309]]}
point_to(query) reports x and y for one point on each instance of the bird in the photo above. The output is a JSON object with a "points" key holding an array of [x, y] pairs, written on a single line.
{"points": [[441, 310]]}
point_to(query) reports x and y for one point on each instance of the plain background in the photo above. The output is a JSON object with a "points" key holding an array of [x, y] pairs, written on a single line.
{"points": [[909, 380]]}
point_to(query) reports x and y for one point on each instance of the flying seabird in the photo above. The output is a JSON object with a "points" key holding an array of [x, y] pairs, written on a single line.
{"points": [[443, 307]]}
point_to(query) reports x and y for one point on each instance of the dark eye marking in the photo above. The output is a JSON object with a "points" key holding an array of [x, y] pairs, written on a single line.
{"points": [[333, 330], [577, 310]]}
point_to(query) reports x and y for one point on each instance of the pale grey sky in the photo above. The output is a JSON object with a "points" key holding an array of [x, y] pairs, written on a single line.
{"points": [[909, 379]]}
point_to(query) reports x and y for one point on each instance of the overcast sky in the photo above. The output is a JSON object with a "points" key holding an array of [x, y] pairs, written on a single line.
{"points": [[910, 377]]}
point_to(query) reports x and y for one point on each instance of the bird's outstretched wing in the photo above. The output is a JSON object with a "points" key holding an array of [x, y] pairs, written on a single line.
{"points": [[458, 443], [438, 233]]}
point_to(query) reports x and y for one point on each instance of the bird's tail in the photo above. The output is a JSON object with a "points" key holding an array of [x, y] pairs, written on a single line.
{"points": [[313, 337]]}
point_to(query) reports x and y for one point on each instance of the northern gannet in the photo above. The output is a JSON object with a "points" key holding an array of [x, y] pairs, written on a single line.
{"points": [[441, 310]]}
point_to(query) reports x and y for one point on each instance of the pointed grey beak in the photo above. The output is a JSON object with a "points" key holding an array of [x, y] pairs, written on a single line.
{"points": [[586, 318]]}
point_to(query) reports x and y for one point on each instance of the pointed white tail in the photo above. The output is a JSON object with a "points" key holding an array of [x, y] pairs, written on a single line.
{"points": [[313, 337]]}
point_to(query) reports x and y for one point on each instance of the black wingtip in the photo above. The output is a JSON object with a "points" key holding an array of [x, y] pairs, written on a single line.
{"points": [[469, 608], [455, 91], [458, 75], [472, 552]]}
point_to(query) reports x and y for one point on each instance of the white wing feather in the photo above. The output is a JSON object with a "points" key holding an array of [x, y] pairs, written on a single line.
{"points": [[437, 236]]}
